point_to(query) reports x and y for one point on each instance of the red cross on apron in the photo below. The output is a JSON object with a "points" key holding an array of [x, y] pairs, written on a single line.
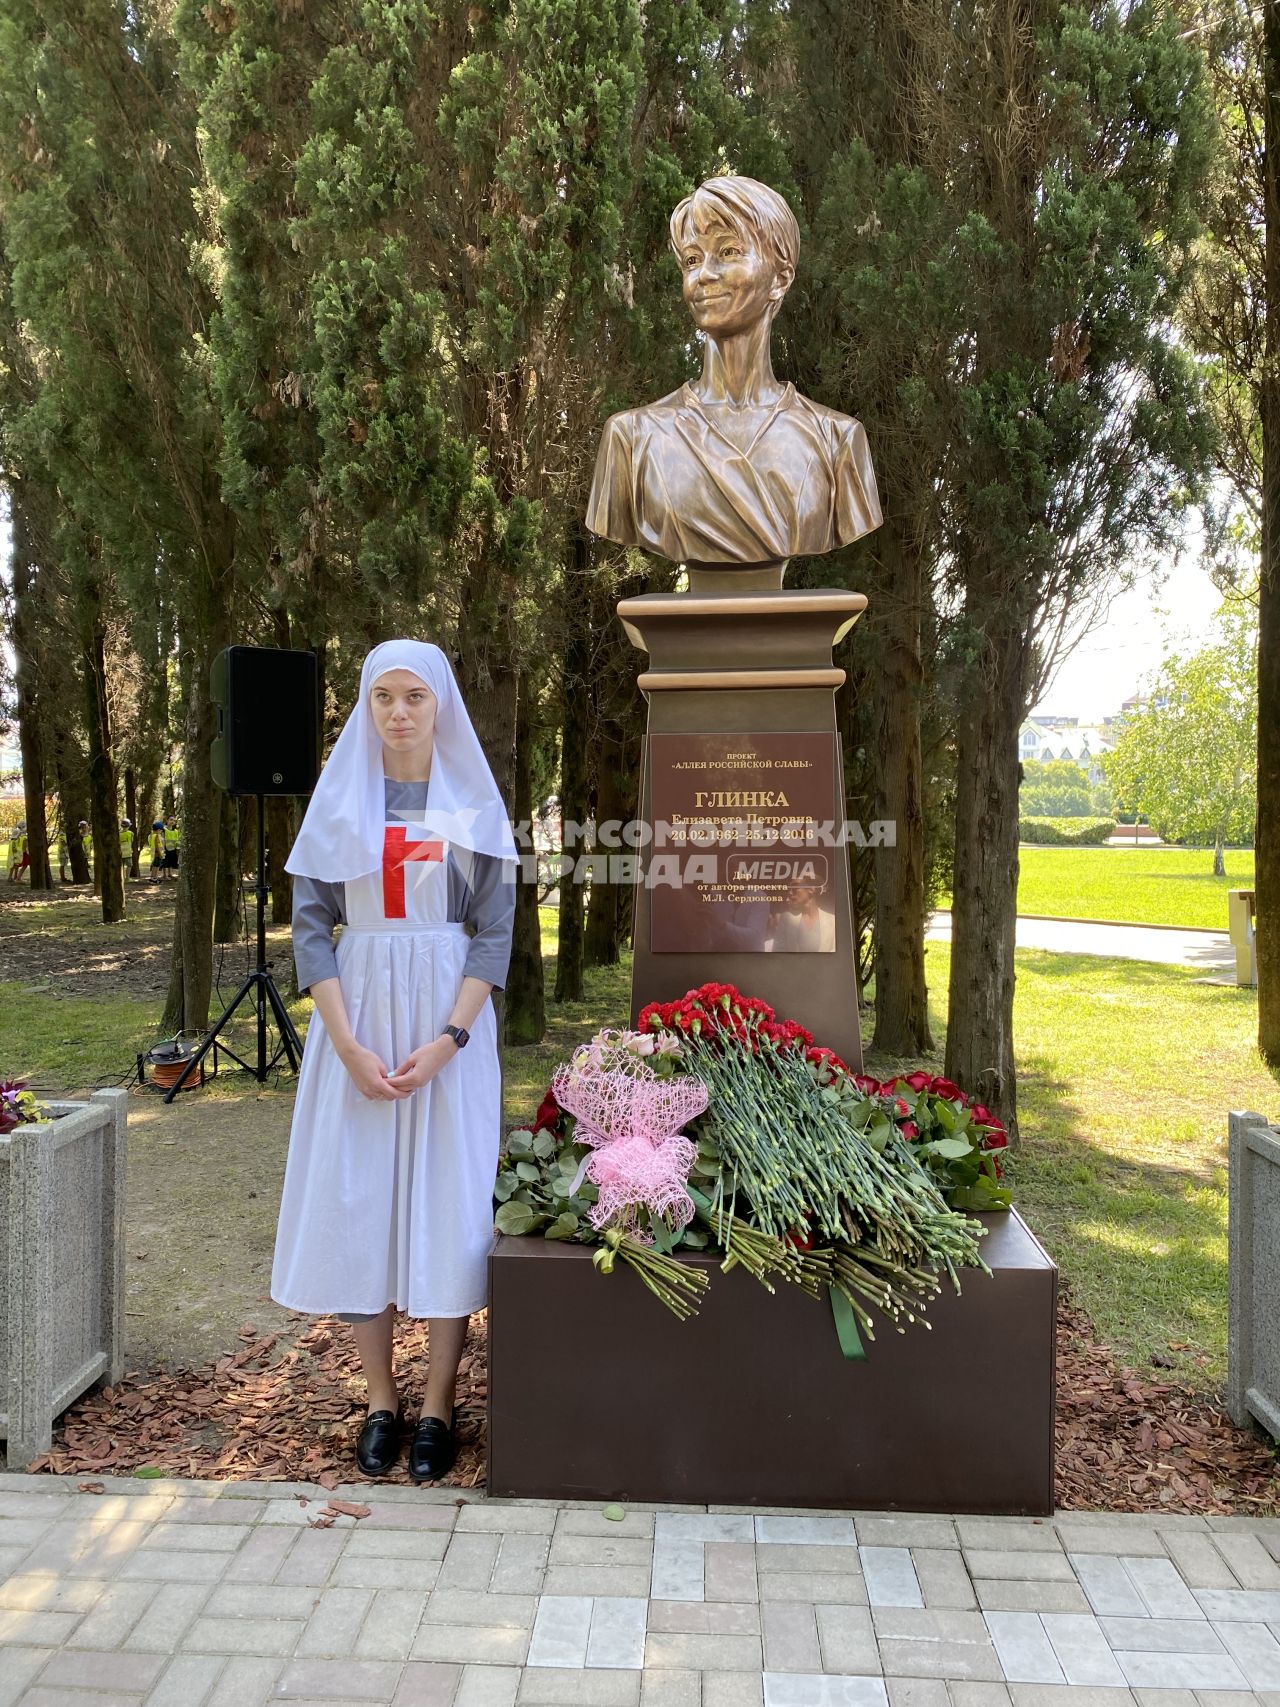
{"points": [[396, 851]]}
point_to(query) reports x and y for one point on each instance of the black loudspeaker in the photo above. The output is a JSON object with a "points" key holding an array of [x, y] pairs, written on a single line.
{"points": [[268, 701]]}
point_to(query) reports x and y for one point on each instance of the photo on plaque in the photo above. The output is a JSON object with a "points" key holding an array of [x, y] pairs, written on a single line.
{"points": [[741, 860]]}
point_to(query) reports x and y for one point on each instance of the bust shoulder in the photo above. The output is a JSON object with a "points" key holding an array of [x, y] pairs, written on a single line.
{"points": [[841, 427], [628, 424]]}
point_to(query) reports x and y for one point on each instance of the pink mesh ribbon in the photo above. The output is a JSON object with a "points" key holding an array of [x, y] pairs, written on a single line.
{"points": [[632, 1120]]}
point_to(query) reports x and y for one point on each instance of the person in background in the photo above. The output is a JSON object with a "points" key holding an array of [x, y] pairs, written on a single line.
{"points": [[159, 865], [126, 848], [172, 841], [19, 854], [86, 842], [64, 854]]}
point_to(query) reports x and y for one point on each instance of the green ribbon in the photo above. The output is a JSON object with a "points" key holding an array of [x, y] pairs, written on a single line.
{"points": [[847, 1327]]}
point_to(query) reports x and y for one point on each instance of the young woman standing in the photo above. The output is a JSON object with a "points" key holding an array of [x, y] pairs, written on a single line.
{"points": [[388, 1191]]}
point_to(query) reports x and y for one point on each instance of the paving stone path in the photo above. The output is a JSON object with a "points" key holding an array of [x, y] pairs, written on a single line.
{"points": [[192, 1594]]}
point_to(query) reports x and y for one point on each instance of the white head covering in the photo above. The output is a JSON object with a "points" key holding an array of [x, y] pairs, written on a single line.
{"points": [[341, 834]]}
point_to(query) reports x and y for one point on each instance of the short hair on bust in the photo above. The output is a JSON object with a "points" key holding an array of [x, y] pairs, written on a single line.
{"points": [[741, 204]]}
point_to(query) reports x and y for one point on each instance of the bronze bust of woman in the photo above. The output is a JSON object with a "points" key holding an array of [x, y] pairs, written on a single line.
{"points": [[734, 468]]}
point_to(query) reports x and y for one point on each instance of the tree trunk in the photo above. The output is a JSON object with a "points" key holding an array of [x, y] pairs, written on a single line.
{"points": [[226, 894], [985, 891], [574, 768], [902, 999], [526, 1014], [279, 841], [26, 646], [606, 915], [73, 797], [103, 806], [131, 813], [1267, 832], [1219, 864], [204, 628]]}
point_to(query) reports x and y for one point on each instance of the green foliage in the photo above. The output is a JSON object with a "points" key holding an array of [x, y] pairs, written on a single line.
{"points": [[1066, 831], [1057, 788], [1186, 759]]}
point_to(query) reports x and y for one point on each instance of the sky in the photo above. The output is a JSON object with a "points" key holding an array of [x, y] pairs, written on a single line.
{"points": [[1122, 654]]}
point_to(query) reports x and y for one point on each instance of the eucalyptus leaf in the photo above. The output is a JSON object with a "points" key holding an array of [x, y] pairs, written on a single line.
{"points": [[519, 1144], [544, 1146], [950, 1149], [503, 1186], [515, 1219], [528, 1171]]}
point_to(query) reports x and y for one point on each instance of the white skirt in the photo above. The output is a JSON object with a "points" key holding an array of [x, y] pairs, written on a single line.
{"points": [[392, 1202]]}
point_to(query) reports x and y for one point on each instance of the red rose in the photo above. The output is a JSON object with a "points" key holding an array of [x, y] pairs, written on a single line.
{"points": [[548, 1116], [918, 1081], [868, 1087], [902, 1106], [944, 1088], [909, 1129], [995, 1138]]}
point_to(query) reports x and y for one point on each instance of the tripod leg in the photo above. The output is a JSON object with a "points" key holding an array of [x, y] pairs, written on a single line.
{"points": [[209, 1041], [288, 1032]]}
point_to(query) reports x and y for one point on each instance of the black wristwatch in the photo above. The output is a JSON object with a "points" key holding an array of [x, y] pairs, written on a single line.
{"points": [[459, 1033]]}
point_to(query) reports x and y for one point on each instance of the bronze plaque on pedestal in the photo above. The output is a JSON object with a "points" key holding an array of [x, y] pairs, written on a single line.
{"points": [[744, 830]]}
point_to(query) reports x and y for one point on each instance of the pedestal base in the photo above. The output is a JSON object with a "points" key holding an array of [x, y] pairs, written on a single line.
{"points": [[597, 1393]]}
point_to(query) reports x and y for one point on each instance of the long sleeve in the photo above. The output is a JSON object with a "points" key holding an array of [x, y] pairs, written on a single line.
{"points": [[487, 903], [317, 907]]}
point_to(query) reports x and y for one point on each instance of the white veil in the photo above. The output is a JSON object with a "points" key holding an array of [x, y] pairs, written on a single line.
{"points": [[341, 834]]}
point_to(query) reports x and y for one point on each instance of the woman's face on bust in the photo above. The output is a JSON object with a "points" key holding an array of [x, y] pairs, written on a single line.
{"points": [[404, 713], [729, 282]]}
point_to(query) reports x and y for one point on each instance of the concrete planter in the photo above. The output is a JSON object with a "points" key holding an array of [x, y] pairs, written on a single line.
{"points": [[61, 1265], [1253, 1336]]}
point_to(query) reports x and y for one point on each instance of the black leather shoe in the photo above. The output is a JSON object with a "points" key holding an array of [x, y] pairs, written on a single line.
{"points": [[379, 1445], [433, 1449]]}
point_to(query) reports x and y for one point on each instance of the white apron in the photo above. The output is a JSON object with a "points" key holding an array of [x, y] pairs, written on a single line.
{"points": [[392, 1202]]}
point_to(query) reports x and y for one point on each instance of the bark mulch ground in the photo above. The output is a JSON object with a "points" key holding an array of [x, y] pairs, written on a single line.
{"points": [[288, 1409]]}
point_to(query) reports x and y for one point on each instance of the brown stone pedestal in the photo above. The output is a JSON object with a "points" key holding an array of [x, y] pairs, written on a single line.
{"points": [[754, 662], [597, 1393]]}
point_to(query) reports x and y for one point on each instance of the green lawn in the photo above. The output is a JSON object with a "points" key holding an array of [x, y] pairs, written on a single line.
{"points": [[1127, 1073], [1141, 886]]}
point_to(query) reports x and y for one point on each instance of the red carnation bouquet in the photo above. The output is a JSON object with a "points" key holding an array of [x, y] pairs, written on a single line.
{"points": [[805, 1172]]}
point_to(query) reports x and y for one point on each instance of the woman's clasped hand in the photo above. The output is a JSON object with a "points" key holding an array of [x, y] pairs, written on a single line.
{"points": [[374, 1079]]}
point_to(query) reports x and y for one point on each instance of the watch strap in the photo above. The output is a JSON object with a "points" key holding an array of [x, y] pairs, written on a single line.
{"points": [[460, 1035]]}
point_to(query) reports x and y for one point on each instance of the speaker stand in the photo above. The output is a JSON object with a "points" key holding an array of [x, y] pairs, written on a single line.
{"points": [[260, 988]]}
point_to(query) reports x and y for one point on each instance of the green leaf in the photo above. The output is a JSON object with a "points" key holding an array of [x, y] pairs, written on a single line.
{"points": [[519, 1144], [951, 1149], [544, 1146], [564, 1226], [528, 1171], [515, 1219], [148, 1472], [503, 1186]]}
